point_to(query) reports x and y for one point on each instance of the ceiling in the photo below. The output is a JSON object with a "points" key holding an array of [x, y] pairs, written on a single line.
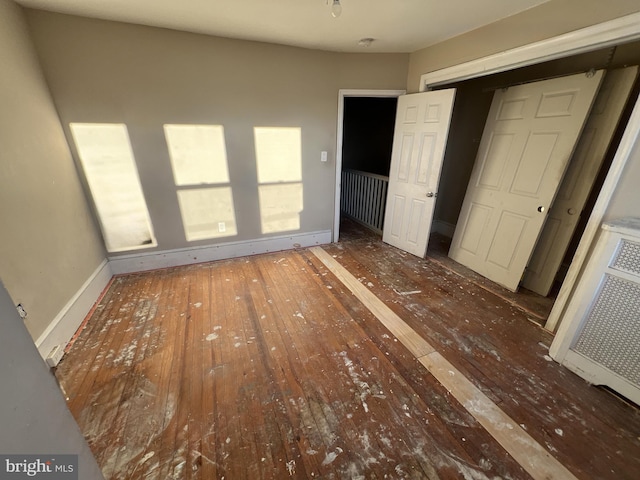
{"points": [[396, 25]]}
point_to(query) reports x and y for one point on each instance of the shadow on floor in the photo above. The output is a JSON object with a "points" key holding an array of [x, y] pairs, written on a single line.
{"points": [[536, 306]]}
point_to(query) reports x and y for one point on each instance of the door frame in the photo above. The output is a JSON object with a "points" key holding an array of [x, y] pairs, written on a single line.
{"points": [[602, 35], [342, 94]]}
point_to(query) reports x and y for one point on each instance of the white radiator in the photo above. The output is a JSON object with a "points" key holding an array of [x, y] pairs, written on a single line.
{"points": [[363, 197], [601, 338]]}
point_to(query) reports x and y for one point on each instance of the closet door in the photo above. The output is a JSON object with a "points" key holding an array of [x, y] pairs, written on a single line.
{"points": [[578, 181], [528, 139]]}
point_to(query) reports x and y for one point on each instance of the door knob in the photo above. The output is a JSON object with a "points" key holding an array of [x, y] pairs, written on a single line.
{"points": [[541, 209], [571, 211], [431, 194]]}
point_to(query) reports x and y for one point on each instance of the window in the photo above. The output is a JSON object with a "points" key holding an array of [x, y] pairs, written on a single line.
{"points": [[199, 162], [110, 169], [279, 164]]}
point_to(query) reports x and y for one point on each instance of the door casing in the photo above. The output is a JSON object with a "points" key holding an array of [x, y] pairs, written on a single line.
{"points": [[340, 132]]}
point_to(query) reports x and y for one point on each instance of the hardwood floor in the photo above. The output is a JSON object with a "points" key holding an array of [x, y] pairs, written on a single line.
{"points": [[269, 367]]}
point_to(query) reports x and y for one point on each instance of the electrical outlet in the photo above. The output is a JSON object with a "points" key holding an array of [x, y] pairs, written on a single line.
{"points": [[222, 227], [21, 311]]}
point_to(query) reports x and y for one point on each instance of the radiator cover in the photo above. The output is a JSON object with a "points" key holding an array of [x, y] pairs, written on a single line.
{"points": [[600, 336], [611, 333]]}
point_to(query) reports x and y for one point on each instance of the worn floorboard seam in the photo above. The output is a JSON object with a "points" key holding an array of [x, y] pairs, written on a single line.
{"points": [[537, 461]]}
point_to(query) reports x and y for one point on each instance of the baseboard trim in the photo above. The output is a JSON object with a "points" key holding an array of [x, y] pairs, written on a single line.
{"points": [[62, 328], [186, 256], [66, 323], [443, 228]]}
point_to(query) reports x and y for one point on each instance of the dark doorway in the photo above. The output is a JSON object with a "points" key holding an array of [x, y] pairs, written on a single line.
{"points": [[368, 134], [367, 144]]}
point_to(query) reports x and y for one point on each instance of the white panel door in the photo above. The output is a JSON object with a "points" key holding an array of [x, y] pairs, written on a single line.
{"points": [[419, 140], [578, 180], [528, 139]]}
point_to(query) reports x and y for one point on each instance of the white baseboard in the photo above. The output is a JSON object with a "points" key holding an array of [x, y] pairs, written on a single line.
{"points": [[66, 323], [443, 228], [186, 256]]}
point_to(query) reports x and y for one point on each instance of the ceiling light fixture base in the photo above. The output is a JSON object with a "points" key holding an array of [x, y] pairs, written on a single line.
{"points": [[336, 8]]}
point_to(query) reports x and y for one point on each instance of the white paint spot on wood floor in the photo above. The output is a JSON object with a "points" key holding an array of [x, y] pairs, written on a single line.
{"points": [[198, 454], [331, 456], [146, 457], [126, 355], [363, 387], [404, 294]]}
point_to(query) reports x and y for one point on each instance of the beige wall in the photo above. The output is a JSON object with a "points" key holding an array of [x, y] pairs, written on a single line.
{"points": [[145, 77], [467, 124], [626, 199], [473, 99], [543, 21], [33, 412], [49, 245]]}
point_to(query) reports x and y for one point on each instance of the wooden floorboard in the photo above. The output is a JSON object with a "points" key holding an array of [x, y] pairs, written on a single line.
{"points": [[513, 438], [268, 367], [480, 332]]}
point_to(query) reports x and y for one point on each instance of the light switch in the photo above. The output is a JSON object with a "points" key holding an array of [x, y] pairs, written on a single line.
{"points": [[323, 156]]}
